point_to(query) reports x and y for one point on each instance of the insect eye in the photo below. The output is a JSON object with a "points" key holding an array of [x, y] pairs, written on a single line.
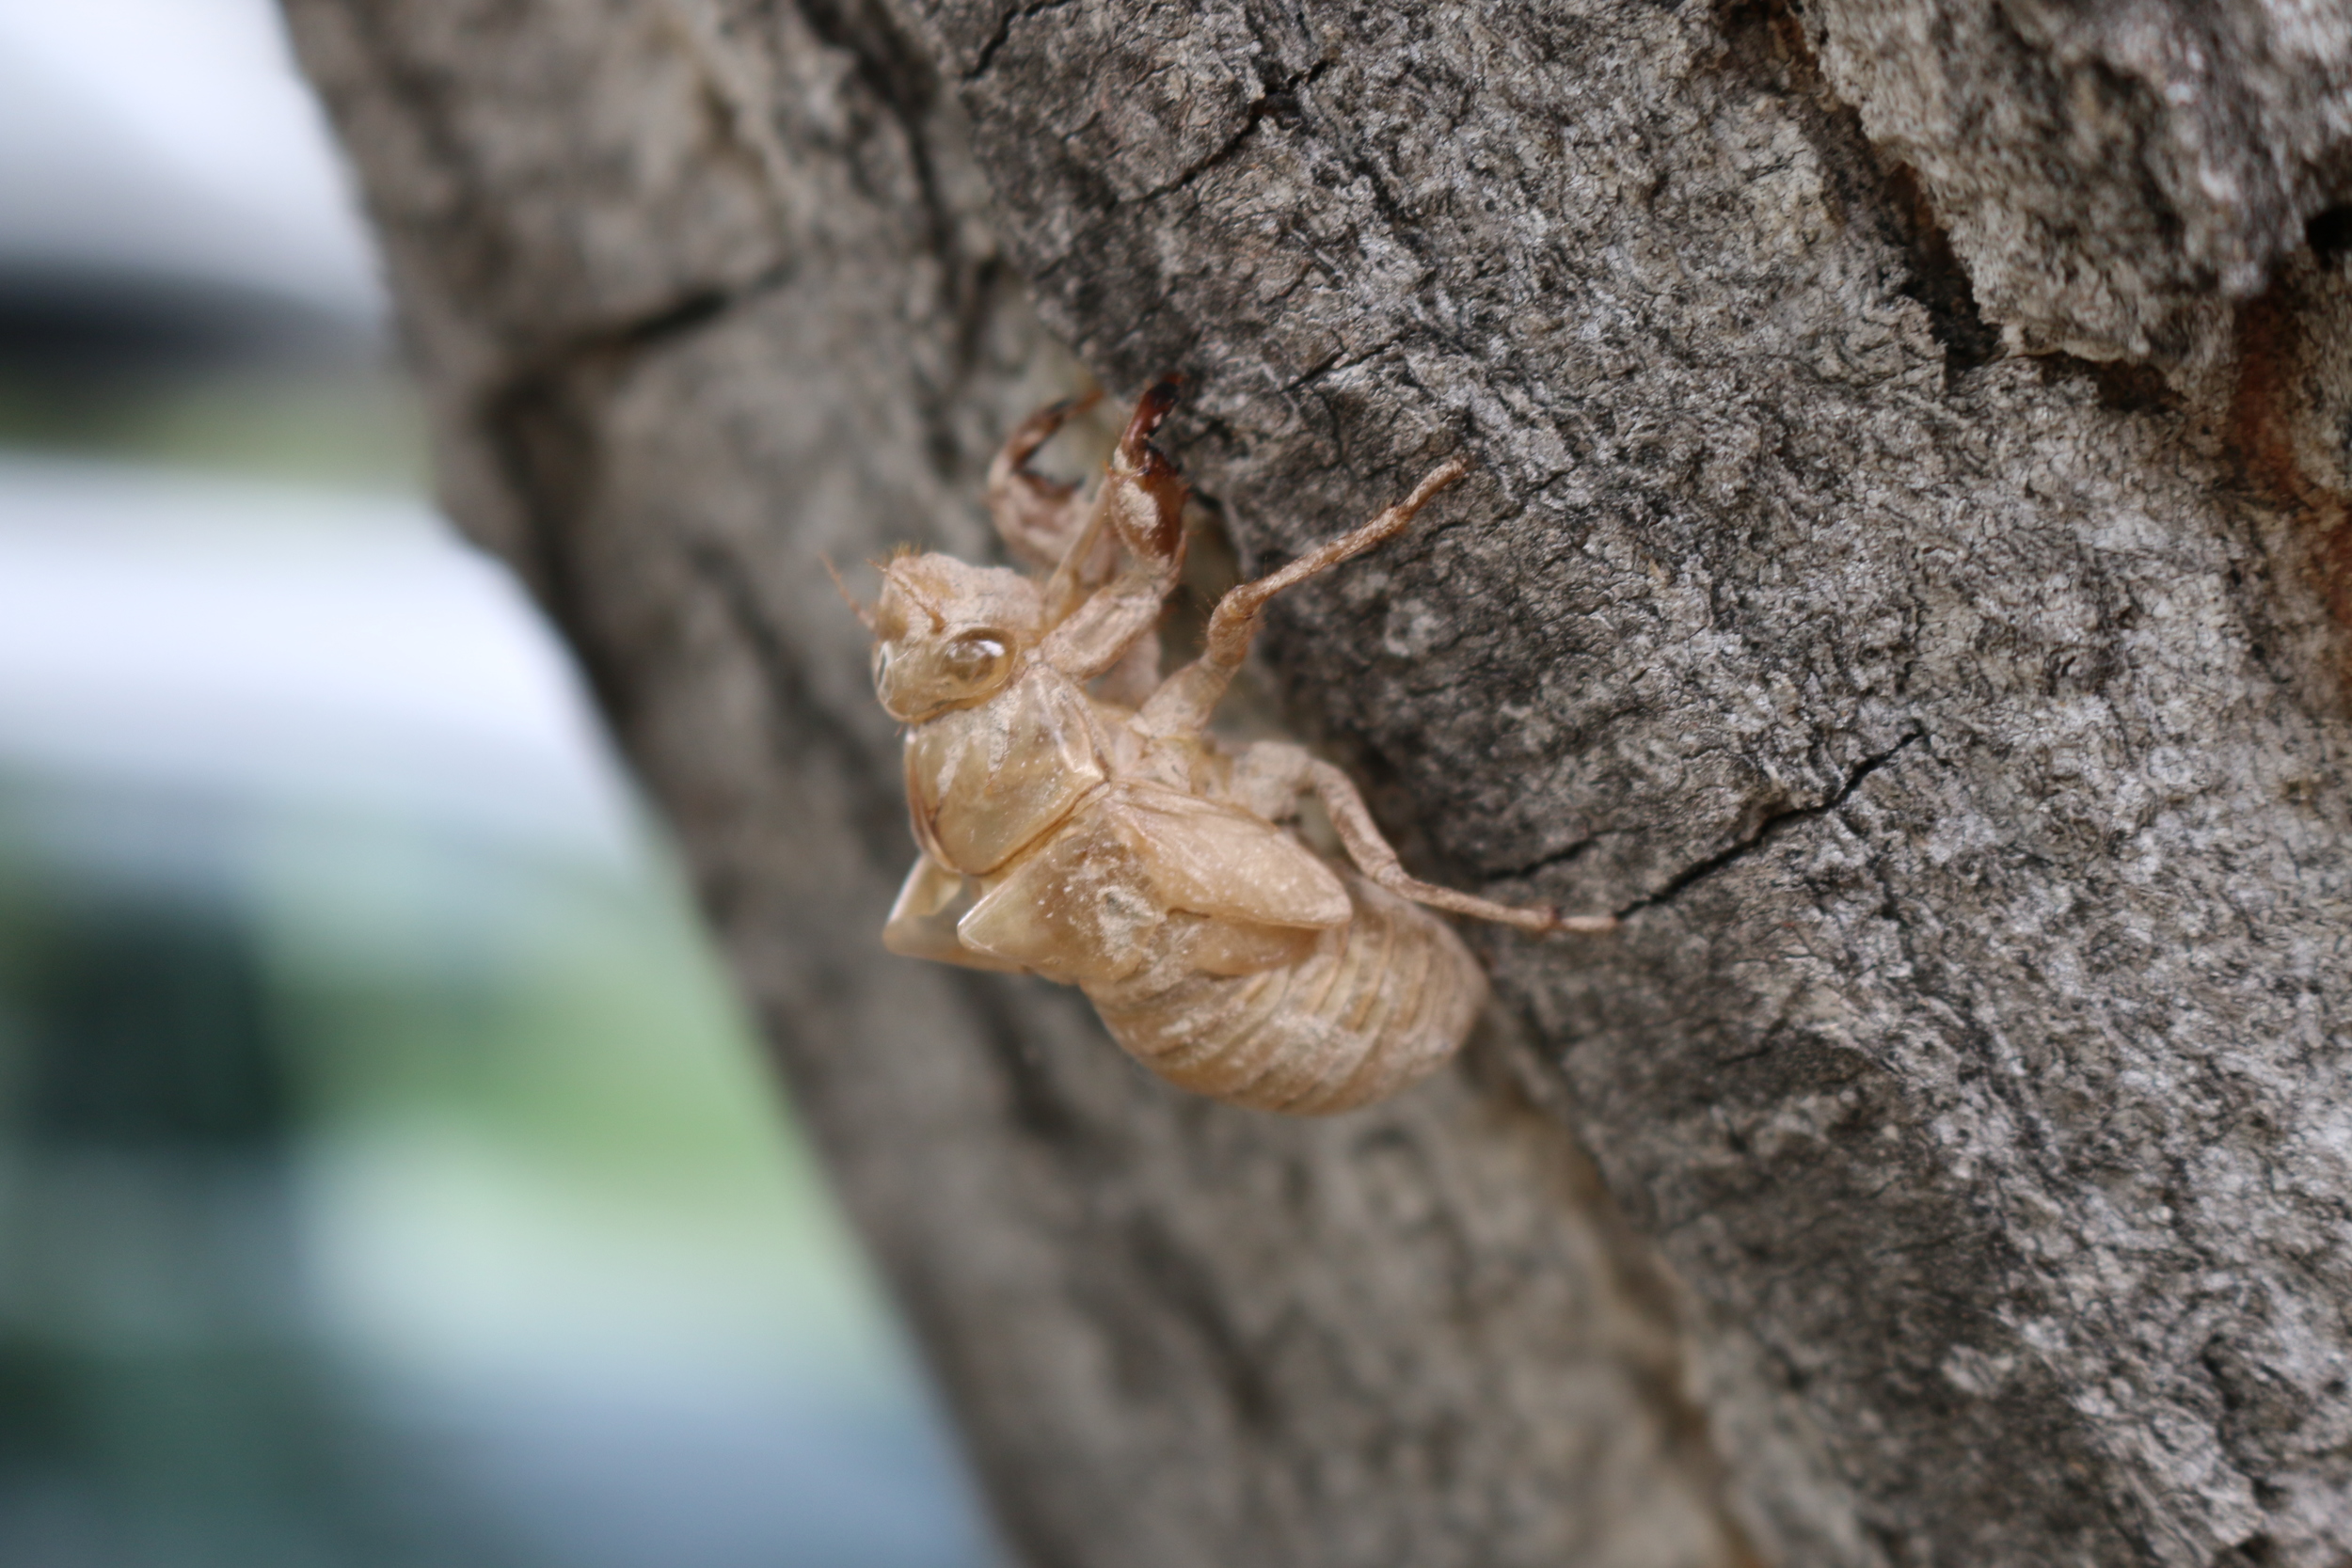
{"points": [[976, 658]]}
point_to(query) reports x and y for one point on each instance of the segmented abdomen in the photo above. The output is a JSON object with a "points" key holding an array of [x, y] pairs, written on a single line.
{"points": [[1373, 1006]]}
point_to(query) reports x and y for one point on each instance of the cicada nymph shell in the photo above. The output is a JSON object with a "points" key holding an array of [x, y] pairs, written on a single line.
{"points": [[1078, 821]]}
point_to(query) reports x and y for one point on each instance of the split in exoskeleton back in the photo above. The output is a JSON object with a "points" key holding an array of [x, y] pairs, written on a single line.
{"points": [[1078, 820]]}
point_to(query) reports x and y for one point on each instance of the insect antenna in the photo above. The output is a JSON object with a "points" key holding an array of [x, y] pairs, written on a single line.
{"points": [[864, 614], [923, 601]]}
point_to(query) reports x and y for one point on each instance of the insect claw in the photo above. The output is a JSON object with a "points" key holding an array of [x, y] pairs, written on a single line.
{"points": [[1152, 410], [1144, 467], [1039, 518], [1012, 463]]}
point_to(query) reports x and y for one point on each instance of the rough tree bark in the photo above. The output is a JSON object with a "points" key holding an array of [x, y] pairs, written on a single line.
{"points": [[1906, 576]]}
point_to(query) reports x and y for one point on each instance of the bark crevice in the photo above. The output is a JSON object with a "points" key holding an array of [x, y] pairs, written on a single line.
{"points": [[1768, 824]]}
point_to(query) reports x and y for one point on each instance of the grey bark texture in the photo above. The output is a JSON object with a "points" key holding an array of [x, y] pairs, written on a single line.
{"points": [[1905, 576]]}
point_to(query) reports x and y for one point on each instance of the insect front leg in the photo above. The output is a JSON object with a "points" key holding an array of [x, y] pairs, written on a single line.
{"points": [[922, 923], [1183, 703], [1040, 518], [1270, 774], [1142, 508]]}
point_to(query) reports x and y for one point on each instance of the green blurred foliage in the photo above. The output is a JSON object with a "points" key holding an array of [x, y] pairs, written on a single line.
{"points": [[342, 423]]}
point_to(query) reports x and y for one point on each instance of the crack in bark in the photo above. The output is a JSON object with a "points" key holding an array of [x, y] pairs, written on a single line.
{"points": [[899, 87], [1767, 829], [1766, 42], [902, 82], [986, 56], [543, 447], [1567, 856], [1339, 363], [1280, 99], [596, 344], [905, 85]]}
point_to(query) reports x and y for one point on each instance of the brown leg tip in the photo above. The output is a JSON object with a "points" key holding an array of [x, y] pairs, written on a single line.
{"points": [[1151, 411]]}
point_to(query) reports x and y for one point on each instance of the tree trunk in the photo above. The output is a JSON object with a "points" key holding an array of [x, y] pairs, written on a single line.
{"points": [[1905, 576]]}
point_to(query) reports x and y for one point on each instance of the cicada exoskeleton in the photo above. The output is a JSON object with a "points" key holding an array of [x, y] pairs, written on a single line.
{"points": [[1078, 821]]}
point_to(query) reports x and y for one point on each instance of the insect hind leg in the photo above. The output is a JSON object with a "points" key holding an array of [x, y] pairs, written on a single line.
{"points": [[1271, 774]]}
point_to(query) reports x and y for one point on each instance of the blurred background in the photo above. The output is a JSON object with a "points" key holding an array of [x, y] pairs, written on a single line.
{"points": [[387, 1177]]}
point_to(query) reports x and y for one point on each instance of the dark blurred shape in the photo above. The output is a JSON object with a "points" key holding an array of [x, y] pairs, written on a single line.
{"points": [[163, 1403], [83, 324], [146, 1026], [113, 263], [145, 313]]}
